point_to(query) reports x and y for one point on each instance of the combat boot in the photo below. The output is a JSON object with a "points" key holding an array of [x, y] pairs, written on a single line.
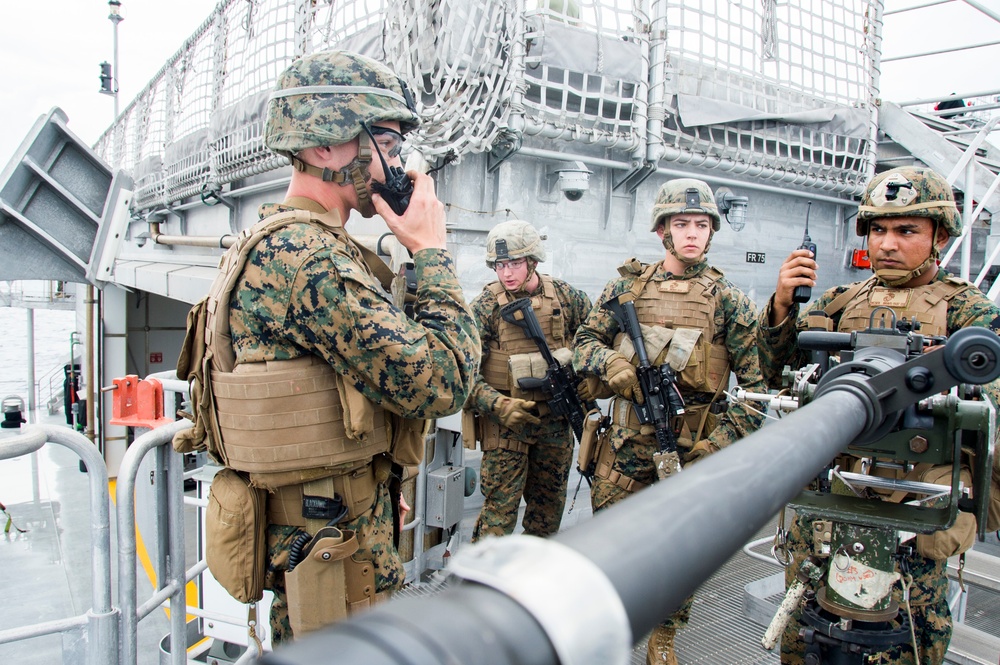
{"points": [[660, 648]]}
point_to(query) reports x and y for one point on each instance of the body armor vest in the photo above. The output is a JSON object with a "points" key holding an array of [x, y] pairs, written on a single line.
{"points": [[284, 421], [927, 304], [512, 341], [680, 315]]}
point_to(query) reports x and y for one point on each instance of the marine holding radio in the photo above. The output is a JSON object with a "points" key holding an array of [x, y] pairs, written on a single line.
{"points": [[309, 384], [908, 215]]}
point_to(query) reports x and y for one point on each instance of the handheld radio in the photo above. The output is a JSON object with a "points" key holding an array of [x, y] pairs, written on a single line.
{"points": [[804, 293]]}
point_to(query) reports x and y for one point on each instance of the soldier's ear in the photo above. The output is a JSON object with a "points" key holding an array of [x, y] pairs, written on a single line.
{"points": [[942, 237]]}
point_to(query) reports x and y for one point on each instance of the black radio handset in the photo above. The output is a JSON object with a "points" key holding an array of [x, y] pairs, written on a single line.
{"points": [[804, 293], [397, 188]]}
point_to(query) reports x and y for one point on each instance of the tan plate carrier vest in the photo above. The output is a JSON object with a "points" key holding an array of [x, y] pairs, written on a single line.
{"points": [[512, 342], [672, 310], [283, 422], [666, 309]]}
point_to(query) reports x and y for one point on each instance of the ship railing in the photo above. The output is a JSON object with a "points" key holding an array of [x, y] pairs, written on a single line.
{"points": [[971, 209], [101, 621]]}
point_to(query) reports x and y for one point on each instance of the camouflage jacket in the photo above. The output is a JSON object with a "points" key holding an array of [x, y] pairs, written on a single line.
{"points": [[307, 292], [778, 346], [575, 307], [736, 329]]}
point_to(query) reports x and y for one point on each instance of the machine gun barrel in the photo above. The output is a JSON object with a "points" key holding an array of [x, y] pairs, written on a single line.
{"points": [[559, 382], [716, 507]]}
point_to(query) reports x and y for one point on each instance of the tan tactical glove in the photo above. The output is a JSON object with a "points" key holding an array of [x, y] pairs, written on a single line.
{"points": [[699, 451], [513, 412], [622, 379], [591, 388]]}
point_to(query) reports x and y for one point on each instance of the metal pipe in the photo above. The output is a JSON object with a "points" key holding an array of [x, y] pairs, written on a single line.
{"points": [[32, 392], [92, 377], [127, 545], [968, 95], [621, 166], [941, 51], [984, 9], [921, 6], [970, 184]]}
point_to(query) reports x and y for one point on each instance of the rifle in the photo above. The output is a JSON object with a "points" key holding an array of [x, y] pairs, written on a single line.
{"points": [[559, 382], [662, 399]]}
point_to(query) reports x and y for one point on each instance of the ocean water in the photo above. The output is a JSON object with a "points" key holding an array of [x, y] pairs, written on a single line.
{"points": [[52, 349]]}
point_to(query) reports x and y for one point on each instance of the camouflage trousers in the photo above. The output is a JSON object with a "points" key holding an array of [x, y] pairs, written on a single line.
{"points": [[634, 458], [540, 476], [373, 529], [928, 604]]}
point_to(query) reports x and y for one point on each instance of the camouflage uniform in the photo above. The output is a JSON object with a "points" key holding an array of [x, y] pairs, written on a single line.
{"points": [[307, 290], [305, 293], [778, 348], [735, 319], [539, 475]]}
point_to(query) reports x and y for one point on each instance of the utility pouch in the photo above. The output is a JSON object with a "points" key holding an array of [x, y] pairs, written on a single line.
{"points": [[957, 538], [407, 437], [235, 526], [469, 429], [317, 586], [587, 456]]}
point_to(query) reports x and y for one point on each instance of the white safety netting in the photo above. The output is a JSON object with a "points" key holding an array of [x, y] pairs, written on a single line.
{"points": [[773, 89]]}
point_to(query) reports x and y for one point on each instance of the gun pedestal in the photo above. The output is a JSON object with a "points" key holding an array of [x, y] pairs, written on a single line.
{"points": [[853, 614]]}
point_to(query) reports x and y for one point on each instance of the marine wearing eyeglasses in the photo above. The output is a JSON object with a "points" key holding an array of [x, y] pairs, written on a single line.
{"points": [[312, 303], [526, 450]]}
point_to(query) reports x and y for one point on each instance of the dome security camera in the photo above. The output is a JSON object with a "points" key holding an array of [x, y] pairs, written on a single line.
{"points": [[573, 180]]}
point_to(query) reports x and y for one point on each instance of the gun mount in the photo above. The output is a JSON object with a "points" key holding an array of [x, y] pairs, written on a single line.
{"points": [[570, 599]]}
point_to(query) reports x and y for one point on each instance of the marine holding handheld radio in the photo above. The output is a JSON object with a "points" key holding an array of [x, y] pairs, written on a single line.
{"points": [[315, 332], [908, 215], [696, 321]]}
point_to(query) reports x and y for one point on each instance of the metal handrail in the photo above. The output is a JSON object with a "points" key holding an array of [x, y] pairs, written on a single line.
{"points": [[170, 505], [102, 618]]}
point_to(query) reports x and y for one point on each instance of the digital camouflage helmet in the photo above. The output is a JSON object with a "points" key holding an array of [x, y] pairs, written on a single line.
{"points": [[324, 99], [684, 195], [909, 191], [511, 240]]}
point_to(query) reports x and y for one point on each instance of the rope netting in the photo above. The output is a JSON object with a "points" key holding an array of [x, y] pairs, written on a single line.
{"points": [[778, 88]]}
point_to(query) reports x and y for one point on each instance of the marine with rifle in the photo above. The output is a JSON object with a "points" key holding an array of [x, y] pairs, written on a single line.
{"points": [[694, 324], [520, 409], [907, 214]]}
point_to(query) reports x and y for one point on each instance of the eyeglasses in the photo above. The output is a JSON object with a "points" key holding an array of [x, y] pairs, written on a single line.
{"points": [[389, 141], [509, 265]]}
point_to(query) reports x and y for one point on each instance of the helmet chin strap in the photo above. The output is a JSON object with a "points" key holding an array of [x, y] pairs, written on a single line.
{"points": [[668, 244], [355, 173]]}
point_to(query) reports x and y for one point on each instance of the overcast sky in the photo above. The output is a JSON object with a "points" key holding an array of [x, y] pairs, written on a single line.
{"points": [[49, 55]]}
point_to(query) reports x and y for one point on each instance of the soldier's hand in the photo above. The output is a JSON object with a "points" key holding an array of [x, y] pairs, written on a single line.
{"points": [[422, 225], [592, 388], [799, 269], [700, 450], [513, 412], [623, 380]]}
